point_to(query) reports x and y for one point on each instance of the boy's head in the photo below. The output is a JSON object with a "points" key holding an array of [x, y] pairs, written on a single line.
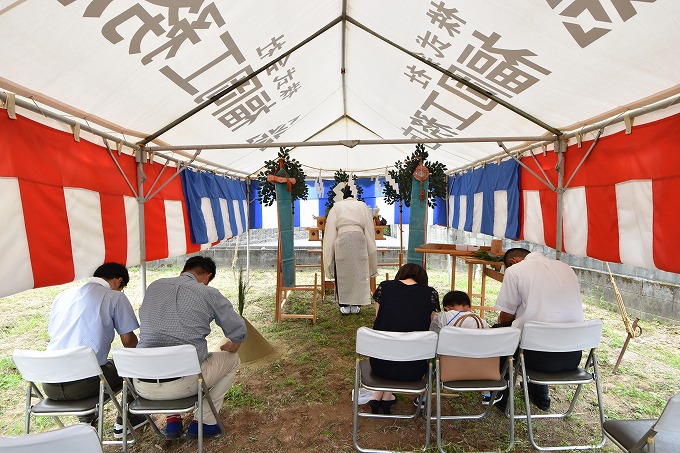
{"points": [[456, 300]]}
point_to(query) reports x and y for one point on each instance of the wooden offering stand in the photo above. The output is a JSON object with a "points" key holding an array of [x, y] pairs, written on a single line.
{"points": [[457, 251]]}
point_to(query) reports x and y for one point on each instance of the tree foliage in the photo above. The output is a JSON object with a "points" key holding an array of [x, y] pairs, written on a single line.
{"points": [[341, 176], [403, 175], [267, 194]]}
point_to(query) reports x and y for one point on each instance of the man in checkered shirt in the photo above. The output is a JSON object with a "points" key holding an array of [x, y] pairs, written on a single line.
{"points": [[179, 310]]}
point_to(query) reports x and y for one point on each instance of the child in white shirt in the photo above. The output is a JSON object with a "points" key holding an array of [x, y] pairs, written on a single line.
{"points": [[456, 304]]}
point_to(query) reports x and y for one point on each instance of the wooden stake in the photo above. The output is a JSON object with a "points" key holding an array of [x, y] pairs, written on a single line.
{"points": [[625, 345]]}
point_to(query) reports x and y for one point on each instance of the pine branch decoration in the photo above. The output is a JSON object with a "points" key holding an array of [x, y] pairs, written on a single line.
{"points": [[267, 193], [403, 173]]}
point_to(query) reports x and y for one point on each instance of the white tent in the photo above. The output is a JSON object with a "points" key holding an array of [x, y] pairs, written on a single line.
{"points": [[238, 79]]}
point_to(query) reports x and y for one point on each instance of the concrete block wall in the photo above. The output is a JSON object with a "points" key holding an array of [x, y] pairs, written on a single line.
{"points": [[644, 299], [647, 293]]}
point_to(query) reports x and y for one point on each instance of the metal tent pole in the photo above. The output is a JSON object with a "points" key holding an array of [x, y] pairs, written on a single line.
{"points": [[141, 177], [248, 231], [560, 148]]}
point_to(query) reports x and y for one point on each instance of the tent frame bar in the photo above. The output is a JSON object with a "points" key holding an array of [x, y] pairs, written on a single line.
{"points": [[353, 143], [235, 85], [631, 114], [217, 168]]}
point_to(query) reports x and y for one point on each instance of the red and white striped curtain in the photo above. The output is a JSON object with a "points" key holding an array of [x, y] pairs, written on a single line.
{"points": [[67, 209], [623, 205]]}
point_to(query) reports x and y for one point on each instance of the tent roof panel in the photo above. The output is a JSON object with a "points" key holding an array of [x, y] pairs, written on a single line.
{"points": [[139, 66]]}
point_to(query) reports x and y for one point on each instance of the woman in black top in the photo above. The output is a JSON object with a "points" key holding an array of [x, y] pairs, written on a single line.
{"points": [[405, 304]]}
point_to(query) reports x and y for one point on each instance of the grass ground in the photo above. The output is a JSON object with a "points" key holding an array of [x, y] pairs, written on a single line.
{"points": [[298, 399]]}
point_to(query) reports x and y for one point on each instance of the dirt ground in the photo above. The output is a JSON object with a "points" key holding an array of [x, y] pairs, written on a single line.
{"points": [[298, 399], [283, 413]]}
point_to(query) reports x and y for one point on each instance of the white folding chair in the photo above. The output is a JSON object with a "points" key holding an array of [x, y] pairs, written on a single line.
{"points": [[562, 337], [661, 435], [163, 363], [399, 347], [58, 366], [476, 344], [73, 439]]}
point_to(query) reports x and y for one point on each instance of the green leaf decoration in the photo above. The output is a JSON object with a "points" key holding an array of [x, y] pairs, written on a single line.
{"points": [[341, 176], [267, 194], [403, 175]]}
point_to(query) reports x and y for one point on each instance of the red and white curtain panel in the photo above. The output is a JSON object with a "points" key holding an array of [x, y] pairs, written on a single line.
{"points": [[623, 205], [67, 209]]}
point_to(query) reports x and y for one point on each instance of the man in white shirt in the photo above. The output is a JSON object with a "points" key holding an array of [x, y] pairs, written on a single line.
{"points": [[90, 315], [536, 288]]}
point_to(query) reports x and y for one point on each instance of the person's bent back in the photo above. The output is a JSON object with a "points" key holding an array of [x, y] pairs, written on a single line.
{"points": [[179, 310], [91, 315]]}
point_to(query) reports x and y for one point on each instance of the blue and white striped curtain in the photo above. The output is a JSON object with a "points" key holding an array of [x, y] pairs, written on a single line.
{"points": [[216, 204], [486, 200]]}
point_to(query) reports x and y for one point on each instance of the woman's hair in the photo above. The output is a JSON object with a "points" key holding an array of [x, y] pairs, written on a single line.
{"points": [[414, 271]]}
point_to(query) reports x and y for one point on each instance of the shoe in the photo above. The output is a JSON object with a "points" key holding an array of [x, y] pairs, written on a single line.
{"points": [[486, 398], [346, 310], [90, 419], [173, 427], [417, 401], [208, 430], [355, 309], [541, 403], [136, 420], [375, 406], [386, 405]]}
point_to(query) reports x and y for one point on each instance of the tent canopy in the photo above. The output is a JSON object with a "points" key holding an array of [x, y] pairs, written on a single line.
{"points": [[242, 72]]}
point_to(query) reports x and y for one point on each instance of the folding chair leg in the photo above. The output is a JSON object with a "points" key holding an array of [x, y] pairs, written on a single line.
{"points": [[598, 390], [593, 361], [31, 387], [429, 404], [131, 390], [509, 411], [27, 421], [355, 406], [510, 402], [125, 415], [214, 410], [200, 414], [100, 409]]}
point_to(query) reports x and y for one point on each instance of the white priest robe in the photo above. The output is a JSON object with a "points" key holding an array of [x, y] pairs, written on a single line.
{"points": [[349, 251]]}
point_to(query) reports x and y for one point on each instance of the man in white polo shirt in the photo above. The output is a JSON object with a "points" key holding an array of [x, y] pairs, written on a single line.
{"points": [[536, 288], [90, 315]]}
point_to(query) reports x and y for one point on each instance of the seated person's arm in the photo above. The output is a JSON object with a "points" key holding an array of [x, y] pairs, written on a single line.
{"points": [[229, 346], [129, 339], [505, 319]]}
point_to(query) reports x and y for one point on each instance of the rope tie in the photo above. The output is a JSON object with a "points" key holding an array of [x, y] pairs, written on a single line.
{"points": [[622, 308]]}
